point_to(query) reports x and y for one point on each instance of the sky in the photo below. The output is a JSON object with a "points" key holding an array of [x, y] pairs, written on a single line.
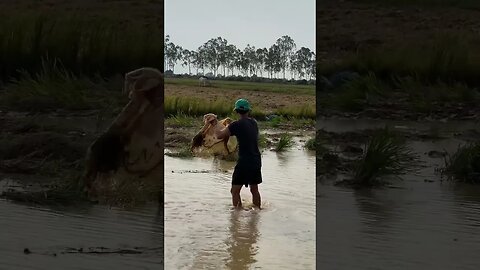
{"points": [[190, 23]]}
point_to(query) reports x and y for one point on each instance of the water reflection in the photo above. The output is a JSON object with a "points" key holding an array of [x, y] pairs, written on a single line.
{"points": [[241, 243], [223, 165], [376, 212]]}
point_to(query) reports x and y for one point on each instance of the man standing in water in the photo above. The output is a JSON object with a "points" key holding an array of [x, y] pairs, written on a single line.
{"points": [[248, 169]]}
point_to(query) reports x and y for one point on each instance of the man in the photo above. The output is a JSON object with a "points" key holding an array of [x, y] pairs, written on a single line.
{"points": [[248, 169]]}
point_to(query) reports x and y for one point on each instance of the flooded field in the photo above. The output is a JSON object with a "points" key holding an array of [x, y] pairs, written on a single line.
{"points": [[421, 223], [80, 238], [202, 231]]}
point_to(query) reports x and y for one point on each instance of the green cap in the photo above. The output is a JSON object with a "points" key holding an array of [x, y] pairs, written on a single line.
{"points": [[242, 104]]}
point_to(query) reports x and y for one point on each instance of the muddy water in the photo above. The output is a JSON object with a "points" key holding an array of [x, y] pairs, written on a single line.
{"points": [[55, 235], [423, 223], [203, 232]]}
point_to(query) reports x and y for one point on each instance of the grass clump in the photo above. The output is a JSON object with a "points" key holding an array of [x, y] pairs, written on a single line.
{"points": [[357, 94], [464, 164], [385, 155], [311, 144], [262, 140], [285, 141]]}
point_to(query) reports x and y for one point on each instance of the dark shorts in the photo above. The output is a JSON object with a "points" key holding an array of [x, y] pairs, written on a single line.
{"points": [[247, 176]]}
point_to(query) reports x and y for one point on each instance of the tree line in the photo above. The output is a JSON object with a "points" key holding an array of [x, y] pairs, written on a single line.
{"points": [[218, 55]]}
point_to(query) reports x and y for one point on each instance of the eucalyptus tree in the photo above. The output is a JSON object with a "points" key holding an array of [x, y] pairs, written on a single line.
{"points": [[173, 54], [273, 61], [200, 58], [222, 49], [231, 54], [301, 61], [242, 63], [165, 45], [286, 46], [312, 71], [188, 59], [214, 49], [261, 56], [250, 59]]}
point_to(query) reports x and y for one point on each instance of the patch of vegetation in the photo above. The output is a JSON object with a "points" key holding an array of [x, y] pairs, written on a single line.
{"points": [[54, 88], [89, 45], [189, 106], [464, 164], [262, 140], [449, 57], [358, 94], [304, 111], [182, 120], [386, 155], [249, 86], [285, 141], [183, 152], [311, 144]]}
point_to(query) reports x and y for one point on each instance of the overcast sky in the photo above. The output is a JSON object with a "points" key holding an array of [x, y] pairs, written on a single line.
{"points": [[190, 23]]}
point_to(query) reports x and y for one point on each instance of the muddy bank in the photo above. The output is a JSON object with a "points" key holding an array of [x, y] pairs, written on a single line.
{"points": [[396, 109]]}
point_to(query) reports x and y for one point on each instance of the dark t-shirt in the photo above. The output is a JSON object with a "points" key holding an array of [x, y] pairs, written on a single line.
{"points": [[246, 131]]}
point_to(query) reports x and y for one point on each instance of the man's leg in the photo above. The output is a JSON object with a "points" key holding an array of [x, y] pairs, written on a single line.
{"points": [[236, 200], [257, 200]]}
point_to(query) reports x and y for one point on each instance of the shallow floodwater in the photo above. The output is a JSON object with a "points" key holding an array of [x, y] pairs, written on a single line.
{"points": [[203, 232], [423, 223], [55, 235]]}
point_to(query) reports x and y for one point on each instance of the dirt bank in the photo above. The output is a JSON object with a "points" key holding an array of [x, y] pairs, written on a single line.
{"points": [[262, 100]]}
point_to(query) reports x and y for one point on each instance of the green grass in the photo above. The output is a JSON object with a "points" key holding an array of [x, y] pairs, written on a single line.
{"points": [[386, 155], [54, 87], [262, 140], [284, 143], [250, 86], [190, 106], [311, 144], [464, 164], [183, 152], [83, 44], [357, 94]]}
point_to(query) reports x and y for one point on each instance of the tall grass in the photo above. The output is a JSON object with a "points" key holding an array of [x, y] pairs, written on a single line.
{"points": [[358, 94], [54, 87], [285, 142], [385, 155], [84, 44], [449, 57], [464, 164], [190, 106]]}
